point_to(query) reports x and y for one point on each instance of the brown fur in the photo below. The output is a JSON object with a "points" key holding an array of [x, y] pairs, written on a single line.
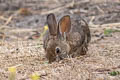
{"points": [[67, 39]]}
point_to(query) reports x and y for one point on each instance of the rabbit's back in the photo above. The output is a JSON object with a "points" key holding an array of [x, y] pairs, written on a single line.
{"points": [[79, 37]]}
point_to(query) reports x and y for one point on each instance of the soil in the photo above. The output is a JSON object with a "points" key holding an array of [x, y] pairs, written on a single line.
{"points": [[21, 45]]}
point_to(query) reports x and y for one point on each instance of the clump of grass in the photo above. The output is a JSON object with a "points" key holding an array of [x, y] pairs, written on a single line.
{"points": [[114, 73], [109, 31]]}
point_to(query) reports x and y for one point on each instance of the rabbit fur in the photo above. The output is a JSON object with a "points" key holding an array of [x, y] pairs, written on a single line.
{"points": [[66, 38]]}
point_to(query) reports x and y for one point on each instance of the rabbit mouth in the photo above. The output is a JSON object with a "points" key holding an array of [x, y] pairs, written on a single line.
{"points": [[61, 57], [58, 58]]}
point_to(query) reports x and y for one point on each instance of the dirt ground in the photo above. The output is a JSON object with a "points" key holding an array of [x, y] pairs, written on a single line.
{"points": [[21, 26]]}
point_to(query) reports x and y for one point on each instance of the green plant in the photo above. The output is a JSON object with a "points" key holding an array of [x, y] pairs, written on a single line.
{"points": [[114, 73], [109, 31]]}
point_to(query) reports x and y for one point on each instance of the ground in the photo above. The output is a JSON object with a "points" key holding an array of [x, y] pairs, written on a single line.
{"points": [[21, 44]]}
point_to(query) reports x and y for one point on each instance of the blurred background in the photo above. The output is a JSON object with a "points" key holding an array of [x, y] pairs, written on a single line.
{"points": [[27, 17]]}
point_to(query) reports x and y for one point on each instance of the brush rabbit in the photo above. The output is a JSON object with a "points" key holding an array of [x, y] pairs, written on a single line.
{"points": [[66, 38]]}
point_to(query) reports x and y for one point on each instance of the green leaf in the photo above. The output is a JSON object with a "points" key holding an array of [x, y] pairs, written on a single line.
{"points": [[114, 73], [108, 31]]}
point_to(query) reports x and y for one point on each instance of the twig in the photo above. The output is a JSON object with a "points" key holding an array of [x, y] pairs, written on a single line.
{"points": [[109, 25], [22, 30], [3, 27], [82, 1], [100, 9], [3, 18], [9, 20], [91, 21]]}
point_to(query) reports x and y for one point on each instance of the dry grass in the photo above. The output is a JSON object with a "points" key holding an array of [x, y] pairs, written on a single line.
{"points": [[102, 58]]}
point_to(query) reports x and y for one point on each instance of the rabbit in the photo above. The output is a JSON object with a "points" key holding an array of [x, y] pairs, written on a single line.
{"points": [[65, 39]]}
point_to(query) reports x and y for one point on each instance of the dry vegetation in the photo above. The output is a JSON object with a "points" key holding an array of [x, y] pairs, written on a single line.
{"points": [[21, 44]]}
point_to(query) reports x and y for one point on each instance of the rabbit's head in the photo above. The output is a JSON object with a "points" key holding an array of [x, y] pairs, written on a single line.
{"points": [[57, 47]]}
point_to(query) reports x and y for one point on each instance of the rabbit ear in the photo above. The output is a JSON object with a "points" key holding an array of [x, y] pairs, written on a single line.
{"points": [[65, 24], [52, 24]]}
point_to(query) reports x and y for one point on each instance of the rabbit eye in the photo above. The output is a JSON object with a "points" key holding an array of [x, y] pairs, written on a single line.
{"points": [[57, 50]]}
